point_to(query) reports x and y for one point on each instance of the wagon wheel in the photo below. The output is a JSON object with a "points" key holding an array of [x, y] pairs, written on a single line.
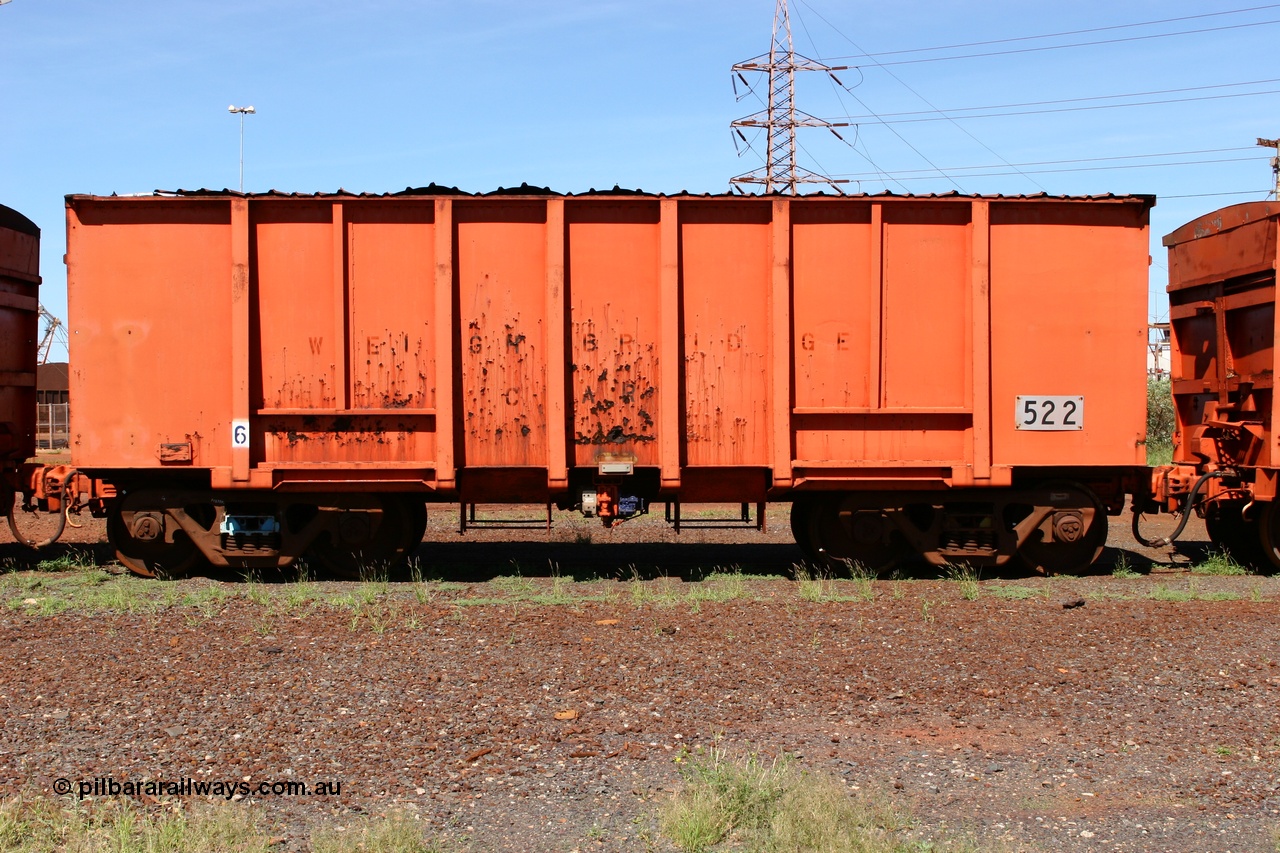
{"points": [[154, 558], [800, 511], [416, 528], [1240, 537], [15, 507], [1269, 538], [372, 537], [1065, 533], [840, 532]]}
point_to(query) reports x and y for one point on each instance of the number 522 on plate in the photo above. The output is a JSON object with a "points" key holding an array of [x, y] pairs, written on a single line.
{"points": [[1050, 412]]}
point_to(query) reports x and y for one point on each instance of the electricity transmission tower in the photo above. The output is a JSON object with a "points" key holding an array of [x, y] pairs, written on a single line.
{"points": [[1275, 161], [780, 118]]}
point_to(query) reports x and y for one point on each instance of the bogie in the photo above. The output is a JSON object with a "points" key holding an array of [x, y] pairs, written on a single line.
{"points": [[1052, 528], [166, 533]]}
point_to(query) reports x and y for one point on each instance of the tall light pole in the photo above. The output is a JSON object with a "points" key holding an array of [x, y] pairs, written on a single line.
{"points": [[243, 111]]}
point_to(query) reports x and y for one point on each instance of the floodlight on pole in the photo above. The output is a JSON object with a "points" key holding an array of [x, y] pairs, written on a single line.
{"points": [[243, 111]]}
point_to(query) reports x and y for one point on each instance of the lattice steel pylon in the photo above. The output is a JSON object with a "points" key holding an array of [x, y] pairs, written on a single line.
{"points": [[780, 118]]}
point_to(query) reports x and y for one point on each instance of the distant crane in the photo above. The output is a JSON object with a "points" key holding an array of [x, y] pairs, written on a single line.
{"points": [[53, 330]]}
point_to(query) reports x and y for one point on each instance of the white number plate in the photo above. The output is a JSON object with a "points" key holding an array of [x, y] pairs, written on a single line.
{"points": [[1050, 412], [239, 434]]}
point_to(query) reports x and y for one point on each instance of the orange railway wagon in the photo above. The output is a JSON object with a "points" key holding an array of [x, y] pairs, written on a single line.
{"points": [[267, 375], [1222, 313], [19, 315]]}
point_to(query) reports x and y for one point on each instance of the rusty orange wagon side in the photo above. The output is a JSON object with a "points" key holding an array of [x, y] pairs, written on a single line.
{"points": [[267, 375], [1222, 313], [19, 313]]}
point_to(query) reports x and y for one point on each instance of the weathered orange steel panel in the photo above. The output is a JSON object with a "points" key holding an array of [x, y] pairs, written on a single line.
{"points": [[150, 329], [836, 281], [363, 387], [392, 355], [806, 342], [615, 330], [19, 310], [292, 280], [925, 305], [501, 272], [1069, 318], [725, 254]]}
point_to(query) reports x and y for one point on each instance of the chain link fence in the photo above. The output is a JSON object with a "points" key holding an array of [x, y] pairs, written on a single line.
{"points": [[52, 425]]}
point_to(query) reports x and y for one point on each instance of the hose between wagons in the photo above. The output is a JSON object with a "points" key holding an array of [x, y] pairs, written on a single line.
{"points": [[1186, 515]]}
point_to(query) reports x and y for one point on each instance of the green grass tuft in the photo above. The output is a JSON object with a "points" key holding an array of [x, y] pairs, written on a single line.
{"points": [[397, 833], [1122, 569], [777, 806], [74, 560], [967, 577], [817, 586], [1159, 453], [1016, 592], [1219, 563], [1164, 593], [32, 823]]}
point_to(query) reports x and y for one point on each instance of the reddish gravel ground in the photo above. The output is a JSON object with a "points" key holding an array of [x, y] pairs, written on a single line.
{"points": [[1131, 722]]}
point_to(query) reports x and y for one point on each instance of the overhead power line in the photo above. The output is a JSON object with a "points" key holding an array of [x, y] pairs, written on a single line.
{"points": [[949, 114], [1009, 169], [1020, 172], [881, 64], [930, 104], [1213, 195], [838, 87], [1058, 101], [1114, 158], [1069, 32]]}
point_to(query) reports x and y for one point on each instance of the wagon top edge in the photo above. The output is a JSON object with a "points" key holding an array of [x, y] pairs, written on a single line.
{"points": [[434, 191], [15, 221], [1221, 220]]}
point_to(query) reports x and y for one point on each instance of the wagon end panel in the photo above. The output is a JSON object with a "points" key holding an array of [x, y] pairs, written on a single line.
{"points": [[149, 324], [19, 312], [1222, 314], [1227, 244], [1068, 385], [612, 276]]}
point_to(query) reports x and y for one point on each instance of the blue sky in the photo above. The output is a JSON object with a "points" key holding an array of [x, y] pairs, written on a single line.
{"points": [[373, 96]]}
